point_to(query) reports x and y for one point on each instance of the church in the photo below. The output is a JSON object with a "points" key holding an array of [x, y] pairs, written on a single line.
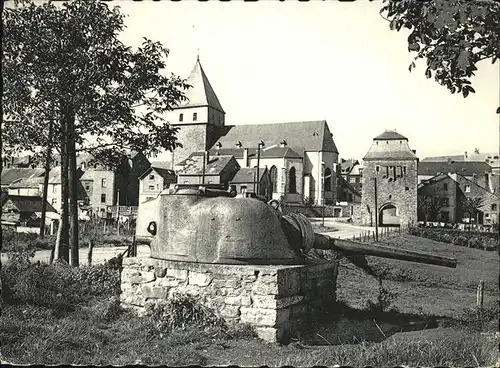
{"points": [[301, 157]]}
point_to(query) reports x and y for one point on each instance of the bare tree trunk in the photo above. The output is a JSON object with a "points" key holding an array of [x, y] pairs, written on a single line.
{"points": [[54, 252], [46, 181], [64, 243], [73, 189]]}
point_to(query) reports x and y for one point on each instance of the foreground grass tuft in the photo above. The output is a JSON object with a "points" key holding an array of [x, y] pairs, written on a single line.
{"points": [[451, 349]]}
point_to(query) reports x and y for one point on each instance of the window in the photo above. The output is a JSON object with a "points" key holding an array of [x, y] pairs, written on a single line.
{"points": [[53, 201], [151, 177], [186, 182], [103, 198], [350, 198], [445, 186], [151, 187], [467, 189], [352, 179], [181, 117], [328, 179], [377, 168], [360, 172], [54, 189], [87, 187], [487, 215], [209, 181], [407, 188], [243, 189], [195, 116], [446, 202], [292, 181], [274, 178], [445, 216], [404, 170], [104, 183], [494, 207]]}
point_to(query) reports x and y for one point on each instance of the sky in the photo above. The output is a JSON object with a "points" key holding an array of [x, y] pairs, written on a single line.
{"points": [[272, 62]]}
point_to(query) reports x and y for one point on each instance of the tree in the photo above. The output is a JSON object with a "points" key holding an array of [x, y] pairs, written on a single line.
{"points": [[453, 36], [471, 206], [66, 66], [429, 206]]}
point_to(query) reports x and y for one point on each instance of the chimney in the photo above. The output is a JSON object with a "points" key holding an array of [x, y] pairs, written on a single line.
{"points": [[449, 160], [466, 157], [245, 157], [283, 143]]}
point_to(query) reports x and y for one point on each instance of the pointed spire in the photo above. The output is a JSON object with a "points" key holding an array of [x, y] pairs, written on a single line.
{"points": [[201, 93]]}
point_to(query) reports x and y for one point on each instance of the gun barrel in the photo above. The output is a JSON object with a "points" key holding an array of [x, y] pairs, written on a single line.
{"points": [[325, 242]]}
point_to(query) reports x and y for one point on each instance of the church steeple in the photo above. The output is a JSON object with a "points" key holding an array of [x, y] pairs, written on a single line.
{"points": [[201, 94]]}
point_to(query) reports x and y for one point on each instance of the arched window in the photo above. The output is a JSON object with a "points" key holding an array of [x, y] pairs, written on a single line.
{"points": [[292, 181], [328, 179], [274, 179]]}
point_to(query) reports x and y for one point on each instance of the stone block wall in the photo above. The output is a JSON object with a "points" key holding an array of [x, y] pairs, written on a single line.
{"points": [[278, 301]]}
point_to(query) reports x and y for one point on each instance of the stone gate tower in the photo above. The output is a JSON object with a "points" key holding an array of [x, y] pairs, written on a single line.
{"points": [[391, 161], [200, 118]]}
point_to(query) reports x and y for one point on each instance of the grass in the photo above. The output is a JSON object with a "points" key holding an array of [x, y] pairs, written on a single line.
{"points": [[96, 331], [421, 288]]}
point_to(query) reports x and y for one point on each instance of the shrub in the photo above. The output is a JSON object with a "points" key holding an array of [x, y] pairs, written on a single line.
{"points": [[56, 286], [181, 311], [460, 240]]}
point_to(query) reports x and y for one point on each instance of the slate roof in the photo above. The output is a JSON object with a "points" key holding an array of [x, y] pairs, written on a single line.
{"points": [[9, 175], [444, 158], [29, 203], [27, 183], [300, 136], [193, 165], [348, 165], [464, 168], [389, 135], [164, 173], [275, 152], [201, 93], [247, 175]]}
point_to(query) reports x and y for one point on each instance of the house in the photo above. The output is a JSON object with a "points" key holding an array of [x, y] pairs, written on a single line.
{"points": [[11, 175], [54, 189], [478, 171], [27, 187], [346, 192], [23, 210], [153, 181], [205, 169], [105, 186], [245, 182], [453, 188], [298, 154], [352, 172], [445, 187], [389, 182]]}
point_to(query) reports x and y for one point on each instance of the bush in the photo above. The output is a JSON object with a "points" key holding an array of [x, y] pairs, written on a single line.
{"points": [[460, 240], [181, 311], [58, 286], [13, 241]]}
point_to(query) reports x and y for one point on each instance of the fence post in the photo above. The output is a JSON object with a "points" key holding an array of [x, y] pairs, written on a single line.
{"points": [[479, 296], [89, 255]]}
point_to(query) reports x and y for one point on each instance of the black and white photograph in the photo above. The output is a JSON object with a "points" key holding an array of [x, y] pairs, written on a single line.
{"points": [[250, 183]]}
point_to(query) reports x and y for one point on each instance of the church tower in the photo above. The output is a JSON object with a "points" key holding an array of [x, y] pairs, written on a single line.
{"points": [[200, 117]]}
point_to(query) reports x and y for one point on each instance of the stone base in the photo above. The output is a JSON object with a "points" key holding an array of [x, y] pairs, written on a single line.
{"points": [[276, 300]]}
